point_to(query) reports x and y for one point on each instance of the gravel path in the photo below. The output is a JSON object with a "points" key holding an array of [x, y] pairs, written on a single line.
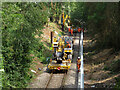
{"points": [[40, 81]]}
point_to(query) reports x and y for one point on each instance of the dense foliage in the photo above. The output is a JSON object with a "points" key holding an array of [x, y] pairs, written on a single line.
{"points": [[102, 22], [21, 21]]}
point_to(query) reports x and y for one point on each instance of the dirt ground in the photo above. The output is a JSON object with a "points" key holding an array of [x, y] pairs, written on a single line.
{"points": [[94, 63]]}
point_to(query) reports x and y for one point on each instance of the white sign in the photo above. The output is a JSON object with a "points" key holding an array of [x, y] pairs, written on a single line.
{"points": [[2, 70], [56, 32]]}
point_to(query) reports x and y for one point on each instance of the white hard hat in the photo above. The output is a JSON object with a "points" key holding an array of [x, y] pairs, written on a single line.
{"points": [[78, 57]]}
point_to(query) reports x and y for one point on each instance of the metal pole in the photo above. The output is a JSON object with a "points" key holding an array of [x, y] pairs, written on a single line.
{"points": [[82, 68], [51, 37], [79, 79], [79, 44]]}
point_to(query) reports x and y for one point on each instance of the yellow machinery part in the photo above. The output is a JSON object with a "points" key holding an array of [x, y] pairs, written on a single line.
{"points": [[61, 67], [68, 51], [54, 40]]}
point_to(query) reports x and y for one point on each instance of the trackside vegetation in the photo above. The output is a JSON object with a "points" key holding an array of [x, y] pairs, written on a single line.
{"points": [[21, 21]]}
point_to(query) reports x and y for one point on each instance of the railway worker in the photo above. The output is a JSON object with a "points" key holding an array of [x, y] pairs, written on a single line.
{"points": [[71, 31], [78, 63], [79, 29], [68, 45]]}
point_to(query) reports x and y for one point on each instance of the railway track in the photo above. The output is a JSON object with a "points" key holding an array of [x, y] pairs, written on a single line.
{"points": [[56, 80], [49, 80], [63, 80]]}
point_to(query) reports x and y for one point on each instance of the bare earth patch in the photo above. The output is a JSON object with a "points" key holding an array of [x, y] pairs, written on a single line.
{"points": [[95, 75]]}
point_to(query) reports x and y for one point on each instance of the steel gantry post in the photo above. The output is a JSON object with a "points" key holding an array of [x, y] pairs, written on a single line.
{"points": [[82, 67], [81, 74], [79, 79]]}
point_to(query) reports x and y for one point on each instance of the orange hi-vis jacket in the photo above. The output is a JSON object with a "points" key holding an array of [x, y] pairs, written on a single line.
{"points": [[69, 30], [68, 45], [79, 29], [78, 63]]}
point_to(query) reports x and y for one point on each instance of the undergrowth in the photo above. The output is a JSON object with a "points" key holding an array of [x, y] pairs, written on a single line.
{"points": [[114, 67]]}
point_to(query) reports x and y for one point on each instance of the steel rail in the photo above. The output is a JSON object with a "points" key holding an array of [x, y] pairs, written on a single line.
{"points": [[63, 80], [49, 80]]}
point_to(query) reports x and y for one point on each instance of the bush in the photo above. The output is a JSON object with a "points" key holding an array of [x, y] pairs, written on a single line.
{"points": [[21, 22], [114, 67], [117, 86]]}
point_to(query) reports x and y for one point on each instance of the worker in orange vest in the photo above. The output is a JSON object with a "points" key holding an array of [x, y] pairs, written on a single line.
{"points": [[78, 63], [79, 29], [71, 31], [68, 45]]}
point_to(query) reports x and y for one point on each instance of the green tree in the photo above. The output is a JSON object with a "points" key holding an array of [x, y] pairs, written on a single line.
{"points": [[21, 21]]}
